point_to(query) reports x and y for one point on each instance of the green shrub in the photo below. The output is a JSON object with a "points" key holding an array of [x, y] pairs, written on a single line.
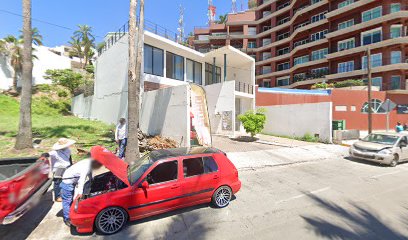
{"points": [[322, 85], [349, 83], [46, 106], [253, 121], [309, 138], [65, 77], [62, 93]]}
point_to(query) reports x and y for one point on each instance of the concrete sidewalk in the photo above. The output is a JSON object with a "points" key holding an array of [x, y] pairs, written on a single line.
{"points": [[285, 156]]}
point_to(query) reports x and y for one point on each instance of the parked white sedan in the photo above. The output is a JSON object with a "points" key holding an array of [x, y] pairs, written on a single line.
{"points": [[384, 148]]}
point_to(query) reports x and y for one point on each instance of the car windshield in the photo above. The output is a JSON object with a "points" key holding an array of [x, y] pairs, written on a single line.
{"points": [[381, 138], [139, 168]]}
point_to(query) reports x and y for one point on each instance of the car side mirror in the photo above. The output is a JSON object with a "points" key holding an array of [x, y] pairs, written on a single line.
{"points": [[144, 185]]}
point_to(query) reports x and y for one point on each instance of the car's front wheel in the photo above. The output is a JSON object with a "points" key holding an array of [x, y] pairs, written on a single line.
{"points": [[394, 162], [111, 220], [222, 196]]}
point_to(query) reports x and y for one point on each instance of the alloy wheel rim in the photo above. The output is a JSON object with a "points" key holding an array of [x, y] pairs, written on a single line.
{"points": [[111, 220], [223, 197]]}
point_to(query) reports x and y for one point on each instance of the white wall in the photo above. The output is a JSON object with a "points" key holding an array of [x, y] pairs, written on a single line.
{"points": [[299, 119], [46, 60], [166, 112], [220, 98]]}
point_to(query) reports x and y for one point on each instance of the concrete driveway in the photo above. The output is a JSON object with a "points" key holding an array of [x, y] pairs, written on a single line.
{"points": [[323, 197]]}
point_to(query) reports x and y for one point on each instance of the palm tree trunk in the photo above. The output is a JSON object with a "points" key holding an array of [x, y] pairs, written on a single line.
{"points": [[24, 136], [15, 79], [132, 150]]}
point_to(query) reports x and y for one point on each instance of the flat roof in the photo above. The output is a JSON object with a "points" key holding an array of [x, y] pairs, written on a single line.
{"points": [[177, 152]]}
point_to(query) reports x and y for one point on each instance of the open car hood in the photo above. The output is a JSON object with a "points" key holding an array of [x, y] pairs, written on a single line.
{"points": [[116, 165]]}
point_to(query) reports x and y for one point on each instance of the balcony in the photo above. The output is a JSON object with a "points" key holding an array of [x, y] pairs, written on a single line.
{"points": [[266, 13], [266, 70], [244, 87], [266, 56]]}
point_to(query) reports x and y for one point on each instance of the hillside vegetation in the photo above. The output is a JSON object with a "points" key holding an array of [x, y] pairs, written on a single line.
{"points": [[51, 120]]}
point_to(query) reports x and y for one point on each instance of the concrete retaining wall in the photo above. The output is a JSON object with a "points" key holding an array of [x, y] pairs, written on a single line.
{"points": [[300, 119]]}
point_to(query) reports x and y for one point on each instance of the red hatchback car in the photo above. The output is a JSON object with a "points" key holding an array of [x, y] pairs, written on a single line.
{"points": [[164, 180]]}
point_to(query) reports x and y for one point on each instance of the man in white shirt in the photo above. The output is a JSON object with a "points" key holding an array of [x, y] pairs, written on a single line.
{"points": [[60, 159], [121, 134], [76, 175]]}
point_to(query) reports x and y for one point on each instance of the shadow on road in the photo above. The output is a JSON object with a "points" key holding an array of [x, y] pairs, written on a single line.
{"points": [[22, 228], [357, 223], [368, 162]]}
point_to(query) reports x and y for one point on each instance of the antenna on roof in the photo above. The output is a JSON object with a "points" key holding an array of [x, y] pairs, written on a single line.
{"points": [[180, 28], [234, 6], [211, 12]]}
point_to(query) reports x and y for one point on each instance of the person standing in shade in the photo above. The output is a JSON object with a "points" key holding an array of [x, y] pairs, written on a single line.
{"points": [[60, 160], [406, 127], [121, 134], [75, 176], [399, 127]]}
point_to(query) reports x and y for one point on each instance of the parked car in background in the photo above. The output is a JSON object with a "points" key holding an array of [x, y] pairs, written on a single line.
{"points": [[23, 181], [164, 180], [384, 148]]}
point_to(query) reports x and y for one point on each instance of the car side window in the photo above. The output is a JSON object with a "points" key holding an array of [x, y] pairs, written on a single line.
{"points": [[210, 165], [198, 166], [163, 172]]}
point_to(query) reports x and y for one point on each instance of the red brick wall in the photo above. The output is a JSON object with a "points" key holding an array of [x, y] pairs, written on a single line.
{"points": [[150, 86]]}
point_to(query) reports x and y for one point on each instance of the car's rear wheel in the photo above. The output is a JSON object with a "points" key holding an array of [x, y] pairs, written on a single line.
{"points": [[394, 162], [222, 196], [111, 220]]}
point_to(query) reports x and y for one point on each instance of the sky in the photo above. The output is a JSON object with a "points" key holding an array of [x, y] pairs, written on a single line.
{"points": [[102, 15]]}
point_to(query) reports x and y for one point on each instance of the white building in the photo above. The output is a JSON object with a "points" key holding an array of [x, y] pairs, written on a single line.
{"points": [[226, 74], [46, 60]]}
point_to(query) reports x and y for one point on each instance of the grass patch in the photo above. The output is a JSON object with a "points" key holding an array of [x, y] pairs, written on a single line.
{"points": [[50, 122]]}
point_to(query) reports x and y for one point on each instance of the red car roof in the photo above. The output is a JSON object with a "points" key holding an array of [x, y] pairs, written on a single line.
{"points": [[116, 165]]}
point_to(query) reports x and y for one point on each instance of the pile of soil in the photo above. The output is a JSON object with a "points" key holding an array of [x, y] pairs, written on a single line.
{"points": [[150, 143]]}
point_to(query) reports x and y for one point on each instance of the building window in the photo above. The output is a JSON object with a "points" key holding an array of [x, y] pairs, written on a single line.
{"points": [[396, 57], [375, 61], [194, 71], [370, 37], [345, 67], [300, 60], [318, 17], [346, 24], [345, 3], [282, 21], [371, 14], [375, 106], [266, 83], [175, 66], [396, 31], [301, 42], [340, 108], [283, 66], [395, 82], [283, 35], [319, 72], [395, 7], [376, 82], [346, 44], [251, 44], [319, 54], [283, 51], [153, 60], [283, 81], [209, 74], [318, 35]]}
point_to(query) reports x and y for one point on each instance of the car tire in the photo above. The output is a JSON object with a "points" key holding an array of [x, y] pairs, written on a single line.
{"points": [[111, 220], [222, 196], [394, 162]]}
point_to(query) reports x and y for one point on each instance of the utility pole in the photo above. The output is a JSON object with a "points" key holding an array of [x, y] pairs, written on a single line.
{"points": [[370, 110]]}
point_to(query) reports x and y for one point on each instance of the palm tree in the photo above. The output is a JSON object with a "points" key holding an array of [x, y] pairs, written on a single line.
{"points": [[83, 43], [24, 137], [14, 51], [132, 151], [76, 49], [222, 19], [37, 37]]}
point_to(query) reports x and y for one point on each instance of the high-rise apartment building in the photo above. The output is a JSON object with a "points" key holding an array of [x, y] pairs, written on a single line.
{"points": [[301, 42]]}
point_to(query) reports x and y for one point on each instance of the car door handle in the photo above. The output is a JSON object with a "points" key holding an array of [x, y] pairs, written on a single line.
{"points": [[175, 186], [216, 177]]}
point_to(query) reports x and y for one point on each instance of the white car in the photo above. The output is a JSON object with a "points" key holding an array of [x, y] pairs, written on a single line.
{"points": [[384, 148]]}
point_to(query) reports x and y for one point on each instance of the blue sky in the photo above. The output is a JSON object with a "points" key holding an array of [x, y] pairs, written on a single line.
{"points": [[102, 15]]}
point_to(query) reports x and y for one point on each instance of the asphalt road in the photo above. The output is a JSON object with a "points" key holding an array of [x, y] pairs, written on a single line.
{"points": [[333, 198]]}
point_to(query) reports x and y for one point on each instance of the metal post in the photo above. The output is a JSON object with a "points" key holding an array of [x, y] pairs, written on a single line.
{"points": [[214, 80], [370, 120], [388, 114], [225, 67]]}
